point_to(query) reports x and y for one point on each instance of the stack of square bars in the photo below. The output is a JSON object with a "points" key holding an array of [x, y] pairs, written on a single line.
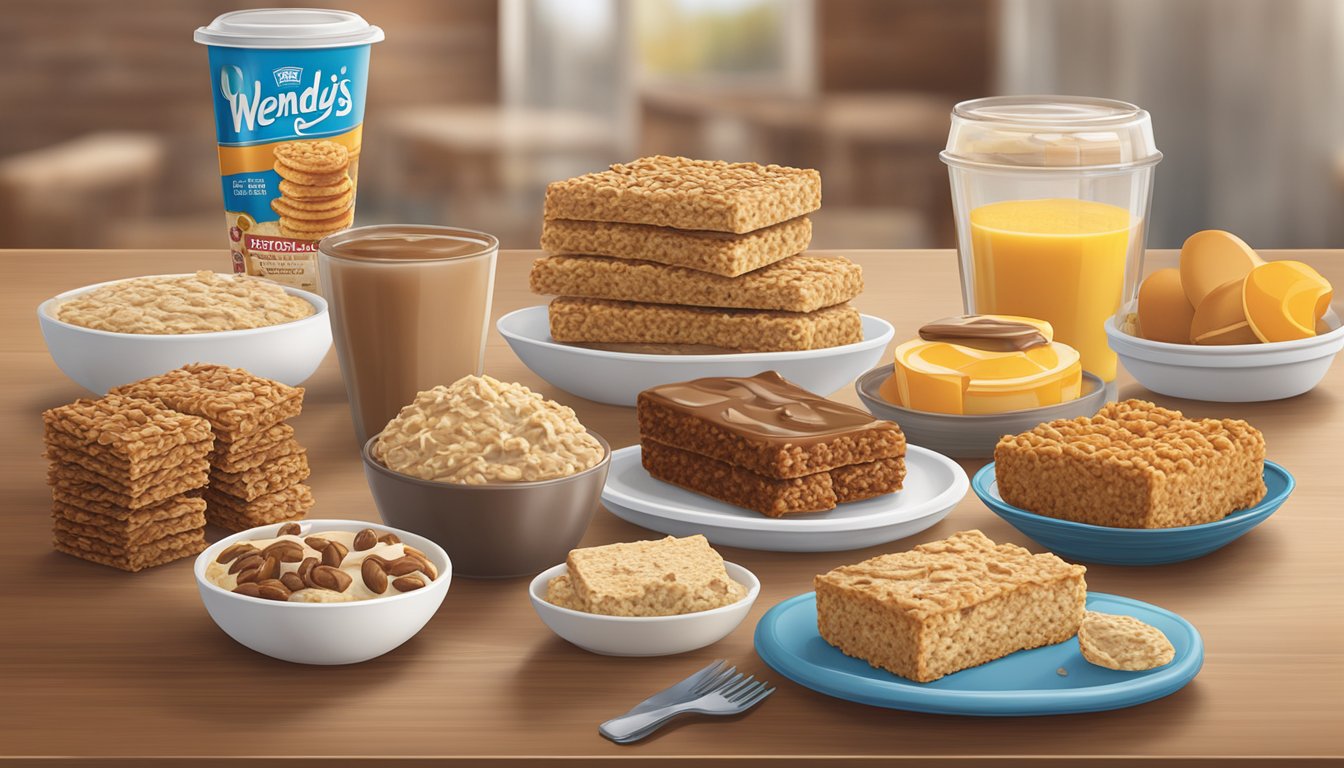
{"points": [[680, 255], [123, 472], [257, 468]]}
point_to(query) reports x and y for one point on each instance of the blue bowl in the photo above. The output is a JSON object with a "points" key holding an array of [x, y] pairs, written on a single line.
{"points": [[1134, 546]]}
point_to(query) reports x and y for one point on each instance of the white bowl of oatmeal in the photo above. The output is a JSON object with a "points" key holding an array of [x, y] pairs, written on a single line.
{"points": [[379, 593], [504, 479], [113, 333]]}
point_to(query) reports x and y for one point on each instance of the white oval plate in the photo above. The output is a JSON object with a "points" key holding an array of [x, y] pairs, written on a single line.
{"points": [[617, 378], [933, 486]]}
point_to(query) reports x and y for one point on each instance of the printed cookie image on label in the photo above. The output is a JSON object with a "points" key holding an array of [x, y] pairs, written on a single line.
{"points": [[289, 124]]}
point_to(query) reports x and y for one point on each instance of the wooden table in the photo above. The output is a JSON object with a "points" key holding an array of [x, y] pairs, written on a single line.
{"points": [[99, 663]]}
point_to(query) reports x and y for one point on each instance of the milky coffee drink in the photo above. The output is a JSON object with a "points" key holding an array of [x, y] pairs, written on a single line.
{"points": [[410, 307]]}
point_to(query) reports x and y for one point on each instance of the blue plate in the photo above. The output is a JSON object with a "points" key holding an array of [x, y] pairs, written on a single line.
{"points": [[1134, 546], [1023, 683]]}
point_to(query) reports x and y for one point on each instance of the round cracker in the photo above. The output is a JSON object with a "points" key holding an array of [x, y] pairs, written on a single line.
{"points": [[295, 191], [308, 235], [313, 156], [1123, 643], [318, 225], [333, 203], [310, 179], [287, 207]]}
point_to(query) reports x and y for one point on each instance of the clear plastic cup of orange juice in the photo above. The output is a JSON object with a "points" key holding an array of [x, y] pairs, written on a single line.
{"points": [[1051, 196]]}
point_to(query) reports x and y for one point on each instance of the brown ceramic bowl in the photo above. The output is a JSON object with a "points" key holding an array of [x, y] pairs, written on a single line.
{"points": [[496, 530]]}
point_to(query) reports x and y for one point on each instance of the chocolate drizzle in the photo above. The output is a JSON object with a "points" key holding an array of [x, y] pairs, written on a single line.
{"points": [[765, 406], [992, 334]]}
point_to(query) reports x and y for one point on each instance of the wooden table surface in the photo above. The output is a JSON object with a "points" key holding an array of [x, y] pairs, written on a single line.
{"points": [[99, 663]]}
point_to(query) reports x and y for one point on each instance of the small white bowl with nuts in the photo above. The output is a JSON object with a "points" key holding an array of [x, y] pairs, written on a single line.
{"points": [[323, 591]]}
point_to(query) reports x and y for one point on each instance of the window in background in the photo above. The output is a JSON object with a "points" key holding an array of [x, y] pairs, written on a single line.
{"points": [[725, 44]]}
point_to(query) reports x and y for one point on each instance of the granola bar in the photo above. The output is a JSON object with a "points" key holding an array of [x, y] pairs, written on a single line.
{"points": [[747, 330], [1133, 465], [235, 402], [719, 253], [687, 194], [797, 284]]}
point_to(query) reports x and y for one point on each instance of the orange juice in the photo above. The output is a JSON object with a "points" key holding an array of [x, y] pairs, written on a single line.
{"points": [[1060, 260]]}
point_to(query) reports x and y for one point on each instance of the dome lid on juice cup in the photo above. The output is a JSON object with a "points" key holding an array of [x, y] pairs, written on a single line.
{"points": [[288, 28], [1065, 132]]}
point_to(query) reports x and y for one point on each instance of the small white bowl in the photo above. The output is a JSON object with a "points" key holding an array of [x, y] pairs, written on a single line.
{"points": [[324, 633], [100, 360], [1235, 373], [643, 635], [618, 377]]}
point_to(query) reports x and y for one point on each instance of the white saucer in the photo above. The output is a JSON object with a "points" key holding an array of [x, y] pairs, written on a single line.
{"points": [[933, 486], [618, 377]]}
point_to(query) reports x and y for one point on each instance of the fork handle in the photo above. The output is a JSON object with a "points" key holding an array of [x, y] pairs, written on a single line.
{"points": [[639, 725]]}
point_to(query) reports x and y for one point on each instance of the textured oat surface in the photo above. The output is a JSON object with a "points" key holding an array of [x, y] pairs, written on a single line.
{"points": [[272, 476], [235, 402], [687, 194], [482, 430], [124, 537], [165, 550], [769, 496], [119, 520], [236, 514], [125, 430], [1123, 642], [949, 605], [796, 284], [746, 330], [719, 253], [180, 304], [77, 481], [666, 577], [1133, 465]]}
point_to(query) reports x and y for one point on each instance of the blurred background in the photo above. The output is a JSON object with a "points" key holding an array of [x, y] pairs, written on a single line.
{"points": [[107, 138]]}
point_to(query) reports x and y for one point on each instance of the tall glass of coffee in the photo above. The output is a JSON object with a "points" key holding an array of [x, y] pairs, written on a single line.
{"points": [[410, 309]]}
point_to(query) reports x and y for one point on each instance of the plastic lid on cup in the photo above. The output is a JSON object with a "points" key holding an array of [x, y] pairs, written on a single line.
{"points": [[1066, 132], [288, 28]]}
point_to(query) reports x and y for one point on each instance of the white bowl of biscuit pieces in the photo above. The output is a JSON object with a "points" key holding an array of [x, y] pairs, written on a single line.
{"points": [[644, 598], [317, 632], [288, 351]]}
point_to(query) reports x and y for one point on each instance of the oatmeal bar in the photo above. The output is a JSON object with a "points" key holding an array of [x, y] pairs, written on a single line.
{"points": [[667, 577], [99, 458], [687, 194], [796, 284], [165, 550], [1133, 465], [770, 496], [79, 482], [949, 605], [747, 330], [127, 431], [236, 514], [125, 538], [765, 424], [266, 479], [113, 517], [235, 402], [720, 253]]}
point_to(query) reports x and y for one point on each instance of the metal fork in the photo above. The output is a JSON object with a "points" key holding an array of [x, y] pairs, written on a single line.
{"points": [[712, 691], [696, 685]]}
